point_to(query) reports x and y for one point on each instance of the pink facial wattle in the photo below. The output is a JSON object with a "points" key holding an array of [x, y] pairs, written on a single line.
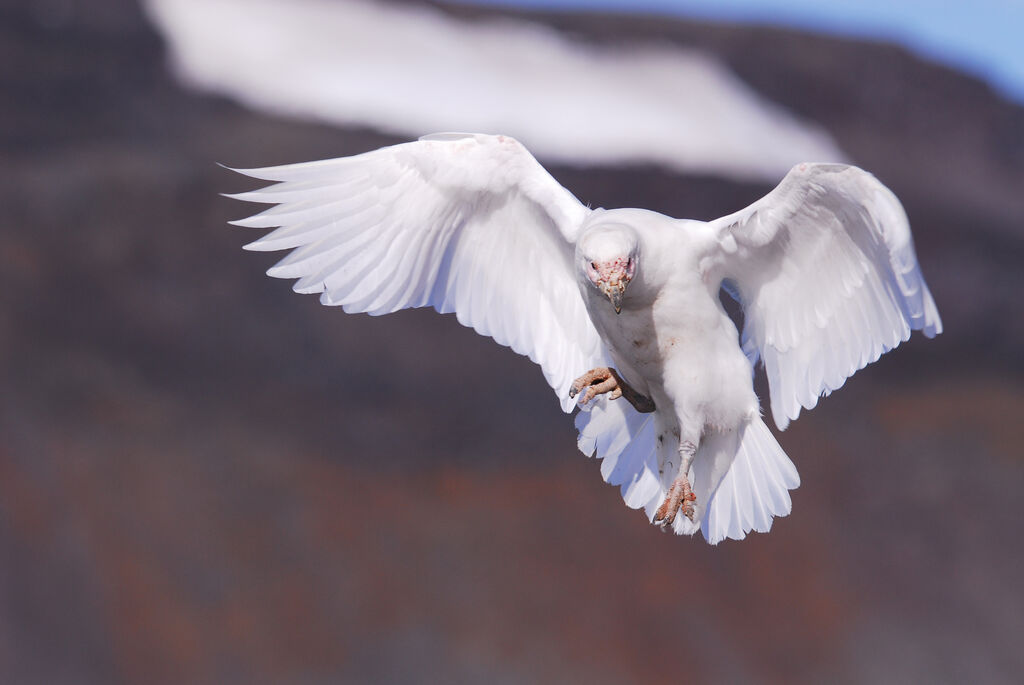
{"points": [[612, 271]]}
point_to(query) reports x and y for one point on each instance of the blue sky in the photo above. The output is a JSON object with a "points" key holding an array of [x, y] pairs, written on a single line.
{"points": [[983, 37]]}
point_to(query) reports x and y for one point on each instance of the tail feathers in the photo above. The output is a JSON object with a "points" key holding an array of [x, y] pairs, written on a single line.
{"points": [[624, 440], [754, 490]]}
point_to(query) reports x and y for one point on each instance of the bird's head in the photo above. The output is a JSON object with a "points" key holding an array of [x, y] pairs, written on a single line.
{"points": [[607, 257]]}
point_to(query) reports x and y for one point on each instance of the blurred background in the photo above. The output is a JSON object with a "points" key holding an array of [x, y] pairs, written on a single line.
{"points": [[205, 478]]}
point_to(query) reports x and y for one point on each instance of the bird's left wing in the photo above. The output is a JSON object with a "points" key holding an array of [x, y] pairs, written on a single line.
{"points": [[464, 223], [825, 269]]}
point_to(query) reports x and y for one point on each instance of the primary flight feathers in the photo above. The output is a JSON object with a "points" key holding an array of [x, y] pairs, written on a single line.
{"points": [[465, 224]]}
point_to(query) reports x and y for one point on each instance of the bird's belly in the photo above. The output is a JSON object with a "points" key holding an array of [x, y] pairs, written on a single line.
{"points": [[691, 366], [636, 350]]}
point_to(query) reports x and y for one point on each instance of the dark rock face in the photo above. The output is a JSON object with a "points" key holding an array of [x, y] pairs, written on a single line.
{"points": [[206, 478]]}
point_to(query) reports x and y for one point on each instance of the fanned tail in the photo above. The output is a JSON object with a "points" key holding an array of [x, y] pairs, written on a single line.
{"points": [[754, 488], [624, 440]]}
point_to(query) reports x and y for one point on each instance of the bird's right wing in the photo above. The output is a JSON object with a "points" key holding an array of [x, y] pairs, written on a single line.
{"points": [[464, 223]]}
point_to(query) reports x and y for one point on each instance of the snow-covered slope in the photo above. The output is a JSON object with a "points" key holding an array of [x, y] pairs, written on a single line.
{"points": [[411, 70]]}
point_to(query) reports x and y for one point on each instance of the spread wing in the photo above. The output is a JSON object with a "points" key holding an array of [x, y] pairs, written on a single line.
{"points": [[470, 224], [825, 269]]}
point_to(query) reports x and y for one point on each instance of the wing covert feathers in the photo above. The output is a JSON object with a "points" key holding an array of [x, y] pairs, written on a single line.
{"points": [[826, 271]]}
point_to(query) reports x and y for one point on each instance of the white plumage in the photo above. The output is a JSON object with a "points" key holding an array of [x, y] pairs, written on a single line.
{"points": [[823, 266]]}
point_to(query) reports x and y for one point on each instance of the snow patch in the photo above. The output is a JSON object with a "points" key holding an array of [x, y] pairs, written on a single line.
{"points": [[410, 70]]}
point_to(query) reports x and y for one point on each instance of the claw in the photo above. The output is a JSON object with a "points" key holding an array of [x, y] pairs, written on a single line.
{"points": [[605, 380], [679, 498], [595, 381]]}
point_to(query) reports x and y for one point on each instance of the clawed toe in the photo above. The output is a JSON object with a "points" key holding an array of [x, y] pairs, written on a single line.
{"points": [[595, 382], [605, 380], [680, 498], [686, 506], [665, 517]]}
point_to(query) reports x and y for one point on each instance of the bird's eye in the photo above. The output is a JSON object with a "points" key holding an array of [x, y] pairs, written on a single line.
{"points": [[593, 265]]}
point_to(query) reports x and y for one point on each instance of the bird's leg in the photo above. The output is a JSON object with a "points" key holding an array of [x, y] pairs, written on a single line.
{"points": [[607, 380], [680, 494]]}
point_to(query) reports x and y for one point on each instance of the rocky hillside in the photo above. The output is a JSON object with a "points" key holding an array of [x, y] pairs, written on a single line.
{"points": [[207, 478]]}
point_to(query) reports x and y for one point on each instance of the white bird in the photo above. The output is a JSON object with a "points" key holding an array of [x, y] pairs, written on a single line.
{"points": [[621, 302]]}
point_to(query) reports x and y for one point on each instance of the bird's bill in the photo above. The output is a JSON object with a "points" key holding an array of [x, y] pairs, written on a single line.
{"points": [[614, 292]]}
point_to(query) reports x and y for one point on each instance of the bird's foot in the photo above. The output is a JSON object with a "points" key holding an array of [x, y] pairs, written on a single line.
{"points": [[680, 498], [606, 380], [596, 382]]}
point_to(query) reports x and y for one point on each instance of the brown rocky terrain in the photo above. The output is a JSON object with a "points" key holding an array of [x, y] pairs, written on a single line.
{"points": [[207, 478]]}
